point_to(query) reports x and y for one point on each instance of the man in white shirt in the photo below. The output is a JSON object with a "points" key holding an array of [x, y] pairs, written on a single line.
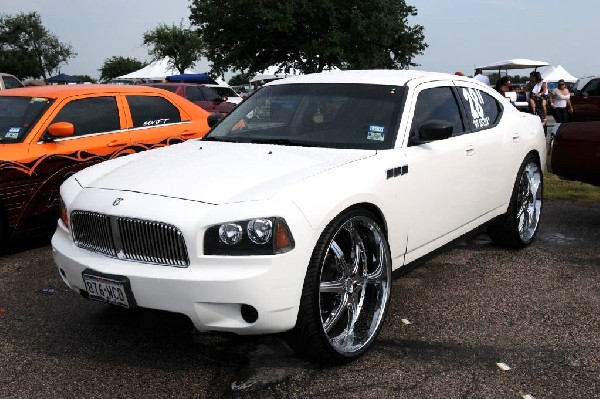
{"points": [[481, 77]]}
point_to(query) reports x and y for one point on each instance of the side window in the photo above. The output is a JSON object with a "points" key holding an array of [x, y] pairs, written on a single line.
{"points": [[193, 93], [11, 82], [209, 94], [152, 111], [483, 110], [91, 115], [592, 88], [437, 103]]}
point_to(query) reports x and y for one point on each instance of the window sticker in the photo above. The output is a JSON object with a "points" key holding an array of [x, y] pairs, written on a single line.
{"points": [[11, 135], [38, 100], [14, 130], [376, 133], [155, 122], [476, 104]]}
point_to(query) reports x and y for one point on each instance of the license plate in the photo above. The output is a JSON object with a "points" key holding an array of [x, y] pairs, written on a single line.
{"points": [[108, 288]]}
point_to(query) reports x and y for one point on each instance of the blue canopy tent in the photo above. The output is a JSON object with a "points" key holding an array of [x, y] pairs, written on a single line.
{"points": [[191, 78], [63, 78]]}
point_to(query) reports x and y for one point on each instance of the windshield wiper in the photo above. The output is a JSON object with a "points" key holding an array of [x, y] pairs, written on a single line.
{"points": [[275, 141], [226, 139]]}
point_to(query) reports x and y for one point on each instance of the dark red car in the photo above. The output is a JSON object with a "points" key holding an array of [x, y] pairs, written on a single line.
{"points": [[576, 152], [200, 95], [586, 100]]}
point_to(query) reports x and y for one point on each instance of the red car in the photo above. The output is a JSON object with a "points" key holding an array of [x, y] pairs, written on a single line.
{"points": [[200, 95], [576, 152], [586, 100]]}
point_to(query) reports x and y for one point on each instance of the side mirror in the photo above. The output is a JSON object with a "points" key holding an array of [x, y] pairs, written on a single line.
{"points": [[214, 119], [61, 129], [434, 130], [585, 94]]}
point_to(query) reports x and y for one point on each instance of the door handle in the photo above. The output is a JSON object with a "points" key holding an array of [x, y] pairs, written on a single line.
{"points": [[117, 143], [516, 137], [188, 134], [470, 150]]}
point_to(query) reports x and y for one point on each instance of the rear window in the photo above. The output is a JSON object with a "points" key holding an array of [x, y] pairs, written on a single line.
{"points": [[18, 115]]}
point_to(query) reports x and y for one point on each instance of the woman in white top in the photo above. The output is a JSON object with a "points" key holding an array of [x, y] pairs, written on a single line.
{"points": [[538, 94], [561, 102]]}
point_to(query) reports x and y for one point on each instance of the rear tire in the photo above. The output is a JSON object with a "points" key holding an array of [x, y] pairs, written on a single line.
{"points": [[518, 226], [346, 290]]}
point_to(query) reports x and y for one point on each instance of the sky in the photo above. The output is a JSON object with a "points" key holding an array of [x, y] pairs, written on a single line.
{"points": [[460, 34]]}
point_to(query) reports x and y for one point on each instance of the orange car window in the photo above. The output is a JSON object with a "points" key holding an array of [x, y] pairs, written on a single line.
{"points": [[18, 115], [152, 111], [91, 115]]}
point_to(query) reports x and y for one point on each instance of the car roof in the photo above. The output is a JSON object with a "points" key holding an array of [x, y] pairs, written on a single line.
{"points": [[375, 76], [55, 91]]}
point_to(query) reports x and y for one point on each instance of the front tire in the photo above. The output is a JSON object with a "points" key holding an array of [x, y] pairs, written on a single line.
{"points": [[518, 226], [346, 290]]}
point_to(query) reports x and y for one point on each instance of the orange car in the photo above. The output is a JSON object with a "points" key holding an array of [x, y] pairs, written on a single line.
{"points": [[50, 132]]}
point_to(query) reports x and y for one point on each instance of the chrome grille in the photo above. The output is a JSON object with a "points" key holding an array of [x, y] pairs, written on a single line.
{"points": [[129, 239]]}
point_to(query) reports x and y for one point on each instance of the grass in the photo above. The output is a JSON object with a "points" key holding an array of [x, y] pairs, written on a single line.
{"points": [[557, 188]]}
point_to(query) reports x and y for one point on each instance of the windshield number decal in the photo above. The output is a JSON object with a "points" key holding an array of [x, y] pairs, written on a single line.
{"points": [[476, 104]]}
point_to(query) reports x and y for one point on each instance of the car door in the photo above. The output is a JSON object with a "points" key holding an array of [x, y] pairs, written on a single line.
{"points": [[440, 184], [155, 121], [99, 134], [196, 94], [491, 140]]}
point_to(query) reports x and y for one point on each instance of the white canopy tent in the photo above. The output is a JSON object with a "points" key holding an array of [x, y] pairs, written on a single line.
{"points": [[156, 70], [515, 63], [554, 74]]}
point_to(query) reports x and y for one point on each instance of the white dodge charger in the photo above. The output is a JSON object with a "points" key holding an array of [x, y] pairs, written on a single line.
{"points": [[292, 213]]}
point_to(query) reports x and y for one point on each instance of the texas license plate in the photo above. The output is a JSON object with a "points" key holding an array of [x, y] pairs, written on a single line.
{"points": [[108, 288]]}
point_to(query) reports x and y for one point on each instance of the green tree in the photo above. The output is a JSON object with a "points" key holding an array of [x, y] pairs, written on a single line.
{"points": [[117, 66], [309, 35], [28, 49], [182, 45], [240, 79], [86, 78]]}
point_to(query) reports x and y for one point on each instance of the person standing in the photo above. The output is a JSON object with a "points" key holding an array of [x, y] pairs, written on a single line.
{"points": [[481, 77], [560, 101]]}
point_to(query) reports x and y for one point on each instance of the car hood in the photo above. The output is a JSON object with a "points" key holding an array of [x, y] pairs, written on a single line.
{"points": [[216, 172]]}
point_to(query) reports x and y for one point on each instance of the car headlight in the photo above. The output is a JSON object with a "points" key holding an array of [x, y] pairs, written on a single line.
{"points": [[260, 236], [64, 214]]}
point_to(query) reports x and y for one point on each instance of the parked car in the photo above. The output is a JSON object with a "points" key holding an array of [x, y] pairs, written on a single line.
{"points": [[290, 216], [47, 133], [8, 81], [227, 93], [586, 100], [575, 151], [201, 95]]}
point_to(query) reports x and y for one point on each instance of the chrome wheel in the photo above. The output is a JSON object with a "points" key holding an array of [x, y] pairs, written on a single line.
{"points": [[354, 284], [529, 201]]}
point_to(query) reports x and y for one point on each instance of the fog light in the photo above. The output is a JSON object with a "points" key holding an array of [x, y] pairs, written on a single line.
{"points": [[249, 313]]}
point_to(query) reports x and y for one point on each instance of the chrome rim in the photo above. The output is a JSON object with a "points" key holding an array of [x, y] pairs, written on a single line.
{"points": [[529, 201], [354, 285]]}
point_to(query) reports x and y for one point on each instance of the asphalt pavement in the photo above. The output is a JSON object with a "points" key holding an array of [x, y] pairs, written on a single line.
{"points": [[472, 321]]}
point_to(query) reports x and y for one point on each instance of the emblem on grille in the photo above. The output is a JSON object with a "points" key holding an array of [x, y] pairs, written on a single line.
{"points": [[117, 201]]}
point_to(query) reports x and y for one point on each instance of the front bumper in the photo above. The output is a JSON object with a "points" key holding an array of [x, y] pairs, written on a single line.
{"points": [[212, 290]]}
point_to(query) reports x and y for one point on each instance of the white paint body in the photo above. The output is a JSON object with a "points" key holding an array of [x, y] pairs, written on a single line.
{"points": [[451, 187]]}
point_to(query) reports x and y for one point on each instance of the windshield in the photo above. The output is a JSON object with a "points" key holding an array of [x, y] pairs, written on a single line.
{"points": [[18, 115], [336, 115]]}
